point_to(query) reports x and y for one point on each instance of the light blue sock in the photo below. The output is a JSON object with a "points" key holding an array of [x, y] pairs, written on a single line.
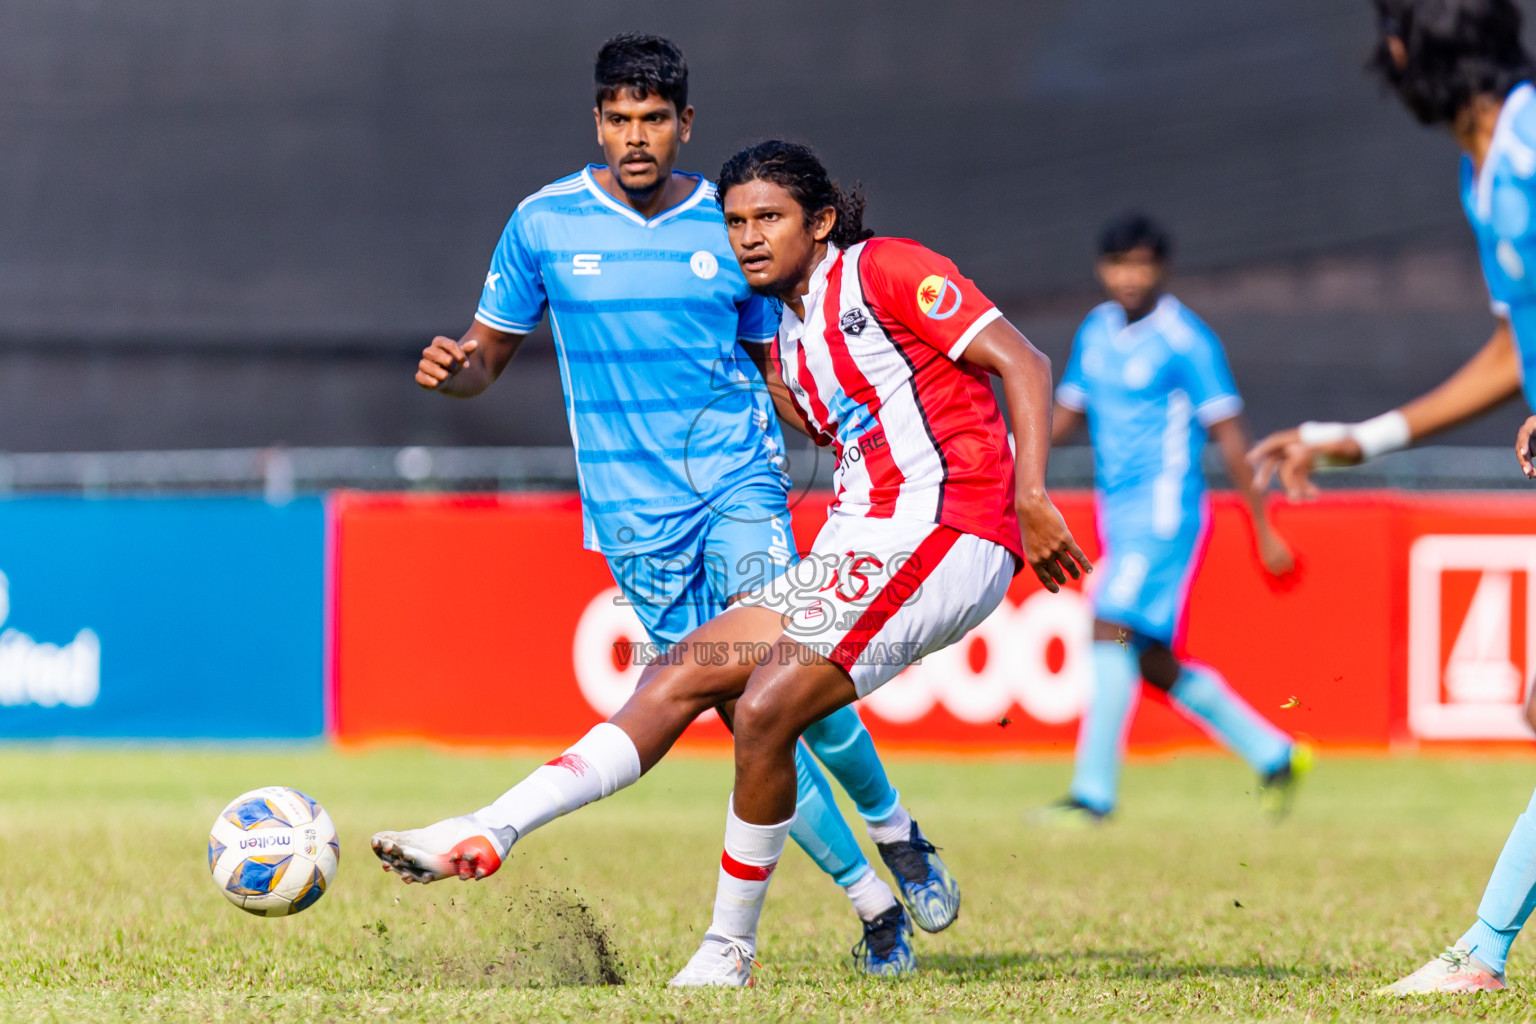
{"points": [[844, 747], [1101, 735], [819, 827], [1510, 896], [1204, 695]]}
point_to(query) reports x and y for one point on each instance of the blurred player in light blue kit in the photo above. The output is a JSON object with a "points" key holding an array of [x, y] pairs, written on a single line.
{"points": [[1460, 64], [1152, 381], [681, 467]]}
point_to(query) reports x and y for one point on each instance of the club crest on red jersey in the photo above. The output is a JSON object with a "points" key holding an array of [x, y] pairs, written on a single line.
{"points": [[937, 298], [852, 321]]}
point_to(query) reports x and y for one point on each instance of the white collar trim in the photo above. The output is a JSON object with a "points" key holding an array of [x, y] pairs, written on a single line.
{"points": [[816, 287], [819, 276], [700, 189], [1125, 336]]}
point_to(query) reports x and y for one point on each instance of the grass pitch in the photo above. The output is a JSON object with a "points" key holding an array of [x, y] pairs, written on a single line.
{"points": [[1190, 906]]}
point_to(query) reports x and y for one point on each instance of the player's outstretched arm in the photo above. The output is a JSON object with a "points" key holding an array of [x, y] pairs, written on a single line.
{"points": [[1488, 378], [465, 368], [999, 348], [1232, 441]]}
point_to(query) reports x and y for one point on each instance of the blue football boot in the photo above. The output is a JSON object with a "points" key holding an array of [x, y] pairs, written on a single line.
{"points": [[886, 948], [927, 888]]}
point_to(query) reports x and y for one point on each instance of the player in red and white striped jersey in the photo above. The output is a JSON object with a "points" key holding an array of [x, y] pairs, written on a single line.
{"points": [[873, 360], [883, 352], [885, 348]]}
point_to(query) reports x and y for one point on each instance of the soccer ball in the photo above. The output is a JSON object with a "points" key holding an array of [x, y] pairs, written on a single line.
{"points": [[273, 851]]}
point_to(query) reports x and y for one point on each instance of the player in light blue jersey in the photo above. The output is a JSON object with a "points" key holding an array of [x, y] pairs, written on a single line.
{"points": [[1460, 64], [1152, 381], [680, 462]]}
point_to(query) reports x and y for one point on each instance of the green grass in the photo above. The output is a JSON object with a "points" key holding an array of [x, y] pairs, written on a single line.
{"points": [[1190, 906]]}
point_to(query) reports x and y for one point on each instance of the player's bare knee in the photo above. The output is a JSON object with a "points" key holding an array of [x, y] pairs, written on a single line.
{"points": [[762, 718], [754, 713], [1530, 708]]}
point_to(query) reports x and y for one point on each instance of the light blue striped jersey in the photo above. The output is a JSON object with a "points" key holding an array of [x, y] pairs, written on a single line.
{"points": [[1150, 390], [1498, 201], [666, 412]]}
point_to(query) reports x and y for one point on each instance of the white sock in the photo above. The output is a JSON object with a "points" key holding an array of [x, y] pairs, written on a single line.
{"points": [[751, 854], [895, 829], [599, 764], [870, 895]]}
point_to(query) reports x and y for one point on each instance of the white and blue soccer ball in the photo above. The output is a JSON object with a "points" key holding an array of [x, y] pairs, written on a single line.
{"points": [[273, 851]]}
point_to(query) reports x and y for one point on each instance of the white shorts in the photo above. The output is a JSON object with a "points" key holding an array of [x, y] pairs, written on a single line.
{"points": [[875, 595]]}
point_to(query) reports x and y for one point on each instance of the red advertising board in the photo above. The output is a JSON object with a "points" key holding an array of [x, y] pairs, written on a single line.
{"points": [[480, 620]]}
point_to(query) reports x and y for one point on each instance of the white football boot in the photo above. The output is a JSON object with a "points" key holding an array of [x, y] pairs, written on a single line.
{"points": [[1455, 970], [720, 962], [455, 847]]}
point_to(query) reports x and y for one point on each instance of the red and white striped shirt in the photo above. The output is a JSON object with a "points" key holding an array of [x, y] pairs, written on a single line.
{"points": [[875, 370]]}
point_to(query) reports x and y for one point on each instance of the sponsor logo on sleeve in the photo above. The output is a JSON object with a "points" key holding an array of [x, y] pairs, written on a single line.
{"points": [[937, 298]]}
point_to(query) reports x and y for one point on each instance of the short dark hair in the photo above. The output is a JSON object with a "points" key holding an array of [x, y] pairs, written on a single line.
{"points": [[644, 65], [1457, 50], [1132, 231], [799, 171]]}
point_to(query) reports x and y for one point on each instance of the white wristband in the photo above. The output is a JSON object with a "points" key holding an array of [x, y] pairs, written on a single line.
{"points": [[1386, 433], [1314, 434]]}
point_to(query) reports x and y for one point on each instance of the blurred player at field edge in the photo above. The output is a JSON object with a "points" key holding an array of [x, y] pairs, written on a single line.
{"points": [[679, 456], [1152, 381], [1460, 64]]}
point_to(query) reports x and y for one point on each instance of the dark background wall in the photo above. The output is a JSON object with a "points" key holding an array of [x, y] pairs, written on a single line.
{"points": [[234, 224]]}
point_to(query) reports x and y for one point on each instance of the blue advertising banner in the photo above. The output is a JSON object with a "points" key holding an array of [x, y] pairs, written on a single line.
{"points": [[149, 618]]}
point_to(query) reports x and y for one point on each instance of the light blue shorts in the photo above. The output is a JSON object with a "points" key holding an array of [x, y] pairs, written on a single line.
{"points": [[735, 544], [1142, 581]]}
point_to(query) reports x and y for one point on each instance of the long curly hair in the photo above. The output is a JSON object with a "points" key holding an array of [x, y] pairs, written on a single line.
{"points": [[799, 172]]}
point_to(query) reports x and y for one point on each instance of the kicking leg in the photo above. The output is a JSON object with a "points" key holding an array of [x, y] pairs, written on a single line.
{"points": [[610, 757]]}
